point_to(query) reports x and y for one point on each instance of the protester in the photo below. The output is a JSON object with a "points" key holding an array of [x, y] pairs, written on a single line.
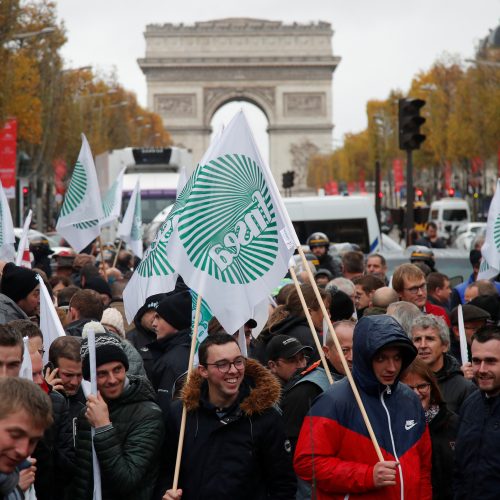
{"points": [[341, 306], [128, 427], [381, 299], [64, 354], [344, 330], [430, 238], [405, 313], [143, 334], [409, 282], [431, 337], [344, 285], [20, 293], [234, 444], [479, 288], [443, 426], [377, 266], [102, 288], [334, 451], [322, 277], [353, 264], [290, 320], [84, 306], [474, 319], [285, 356], [112, 320], [170, 350], [457, 294], [11, 351], [439, 290], [477, 450], [25, 413], [365, 288], [64, 295]]}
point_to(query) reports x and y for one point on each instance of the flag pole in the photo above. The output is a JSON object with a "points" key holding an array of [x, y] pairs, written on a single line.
{"points": [[311, 324], [117, 252], [182, 430], [101, 250], [342, 357]]}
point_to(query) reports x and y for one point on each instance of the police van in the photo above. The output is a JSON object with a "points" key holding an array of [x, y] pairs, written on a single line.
{"points": [[342, 218], [449, 214]]}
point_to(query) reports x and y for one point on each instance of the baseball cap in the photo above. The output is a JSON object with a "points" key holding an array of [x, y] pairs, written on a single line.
{"points": [[284, 346]]}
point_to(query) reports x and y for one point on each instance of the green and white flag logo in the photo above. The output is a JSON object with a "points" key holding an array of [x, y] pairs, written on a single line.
{"points": [[130, 229], [76, 190], [490, 251], [235, 239], [205, 317], [82, 212], [112, 202]]}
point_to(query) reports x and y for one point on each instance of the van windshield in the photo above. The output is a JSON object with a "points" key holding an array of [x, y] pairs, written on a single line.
{"points": [[338, 231], [152, 203], [455, 215]]}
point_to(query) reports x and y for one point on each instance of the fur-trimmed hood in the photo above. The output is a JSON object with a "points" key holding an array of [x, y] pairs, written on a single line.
{"points": [[264, 393]]}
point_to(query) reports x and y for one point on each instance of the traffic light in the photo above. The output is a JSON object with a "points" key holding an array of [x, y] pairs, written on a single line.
{"points": [[288, 179], [410, 122], [451, 192], [26, 196]]}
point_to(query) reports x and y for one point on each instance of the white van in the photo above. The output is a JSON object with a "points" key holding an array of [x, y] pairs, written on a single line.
{"points": [[449, 214], [342, 218]]}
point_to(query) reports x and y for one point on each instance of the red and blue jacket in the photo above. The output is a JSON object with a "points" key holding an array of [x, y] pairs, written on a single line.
{"points": [[334, 451]]}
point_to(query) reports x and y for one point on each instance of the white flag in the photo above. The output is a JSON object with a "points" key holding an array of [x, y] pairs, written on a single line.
{"points": [[23, 250], [490, 264], [7, 238], [112, 201], [130, 230], [155, 274], [81, 213], [50, 324], [232, 239], [26, 370]]}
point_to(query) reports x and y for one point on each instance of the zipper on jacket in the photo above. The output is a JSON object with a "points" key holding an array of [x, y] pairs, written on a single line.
{"points": [[388, 390]]}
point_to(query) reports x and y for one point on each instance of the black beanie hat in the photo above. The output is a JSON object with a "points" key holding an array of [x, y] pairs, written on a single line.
{"points": [[341, 306], [99, 285], [18, 282], [107, 349], [176, 309]]}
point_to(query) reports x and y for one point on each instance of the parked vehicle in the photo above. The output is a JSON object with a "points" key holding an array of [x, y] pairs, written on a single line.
{"points": [[466, 233], [449, 214]]}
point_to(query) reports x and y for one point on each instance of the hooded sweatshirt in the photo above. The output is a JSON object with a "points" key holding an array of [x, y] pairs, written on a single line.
{"points": [[334, 446]]}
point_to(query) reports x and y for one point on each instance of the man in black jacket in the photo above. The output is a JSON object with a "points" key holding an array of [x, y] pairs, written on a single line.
{"points": [[128, 427], [477, 451], [234, 444], [84, 306], [431, 337], [172, 324]]}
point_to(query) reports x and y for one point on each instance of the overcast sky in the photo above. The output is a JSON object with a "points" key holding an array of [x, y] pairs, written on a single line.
{"points": [[383, 43]]}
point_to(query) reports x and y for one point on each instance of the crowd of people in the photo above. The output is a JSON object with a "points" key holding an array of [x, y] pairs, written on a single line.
{"points": [[262, 424]]}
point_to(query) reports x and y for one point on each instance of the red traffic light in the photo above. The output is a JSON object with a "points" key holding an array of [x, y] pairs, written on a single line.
{"points": [[451, 192], [25, 190], [380, 194], [419, 192]]}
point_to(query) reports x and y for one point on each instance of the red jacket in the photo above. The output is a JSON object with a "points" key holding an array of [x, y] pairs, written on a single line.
{"points": [[437, 311], [334, 451]]}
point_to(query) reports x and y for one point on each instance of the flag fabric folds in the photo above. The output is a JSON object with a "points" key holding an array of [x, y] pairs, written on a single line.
{"points": [[7, 238], [112, 201], [490, 263], [50, 324], [82, 212], [23, 249], [130, 230], [205, 317], [231, 238]]}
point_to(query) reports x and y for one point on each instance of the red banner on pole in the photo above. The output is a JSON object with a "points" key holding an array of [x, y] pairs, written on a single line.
{"points": [[447, 175], [397, 169], [332, 188], [351, 187], [8, 142], [60, 170], [362, 182]]}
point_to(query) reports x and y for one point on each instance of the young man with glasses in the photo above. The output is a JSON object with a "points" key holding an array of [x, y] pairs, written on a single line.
{"points": [[234, 445], [409, 282]]}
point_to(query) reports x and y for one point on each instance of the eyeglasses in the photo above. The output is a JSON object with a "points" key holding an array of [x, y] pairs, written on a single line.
{"points": [[224, 366], [422, 388], [415, 289]]}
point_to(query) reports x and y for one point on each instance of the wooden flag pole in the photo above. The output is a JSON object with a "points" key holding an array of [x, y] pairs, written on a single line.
{"points": [[101, 250], [182, 430], [311, 325], [342, 357], [117, 252]]}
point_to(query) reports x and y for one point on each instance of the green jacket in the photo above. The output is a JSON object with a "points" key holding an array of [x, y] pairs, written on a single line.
{"points": [[128, 453]]}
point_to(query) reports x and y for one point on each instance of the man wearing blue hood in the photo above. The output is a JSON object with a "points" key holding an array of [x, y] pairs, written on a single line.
{"points": [[334, 451]]}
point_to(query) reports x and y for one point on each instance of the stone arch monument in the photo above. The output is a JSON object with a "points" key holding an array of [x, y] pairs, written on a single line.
{"points": [[285, 70]]}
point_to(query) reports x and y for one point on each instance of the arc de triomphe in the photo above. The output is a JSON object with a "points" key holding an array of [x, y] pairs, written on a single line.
{"points": [[285, 70]]}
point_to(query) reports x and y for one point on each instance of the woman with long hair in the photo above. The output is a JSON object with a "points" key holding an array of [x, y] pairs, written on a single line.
{"points": [[443, 426]]}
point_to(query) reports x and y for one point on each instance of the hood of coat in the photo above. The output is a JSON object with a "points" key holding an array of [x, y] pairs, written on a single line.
{"points": [[285, 326], [371, 334], [264, 393]]}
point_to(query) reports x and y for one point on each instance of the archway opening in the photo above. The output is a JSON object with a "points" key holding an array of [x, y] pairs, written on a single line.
{"points": [[256, 118]]}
